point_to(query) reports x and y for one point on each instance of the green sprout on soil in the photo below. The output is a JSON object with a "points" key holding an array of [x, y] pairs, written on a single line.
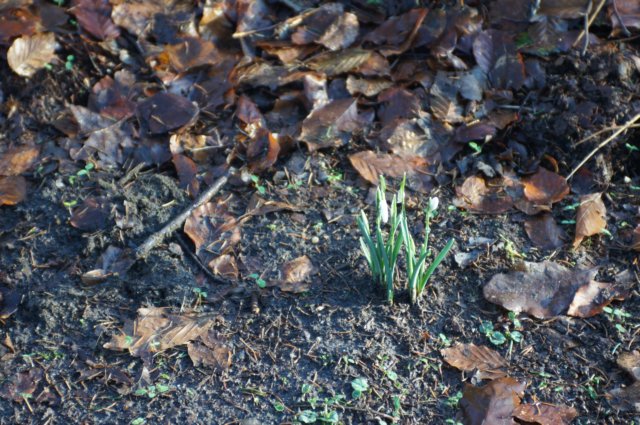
{"points": [[82, 173], [477, 149], [382, 253], [256, 181], [258, 280], [360, 386], [68, 65], [152, 391]]}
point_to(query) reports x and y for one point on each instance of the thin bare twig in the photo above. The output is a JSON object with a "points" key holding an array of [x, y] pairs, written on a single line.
{"points": [[604, 130], [588, 21], [155, 239], [608, 140]]}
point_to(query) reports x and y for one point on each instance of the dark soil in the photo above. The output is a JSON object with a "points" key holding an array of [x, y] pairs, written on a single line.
{"points": [[302, 351]]}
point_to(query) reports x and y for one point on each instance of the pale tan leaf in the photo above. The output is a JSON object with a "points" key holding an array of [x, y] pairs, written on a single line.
{"points": [[591, 217], [28, 54]]}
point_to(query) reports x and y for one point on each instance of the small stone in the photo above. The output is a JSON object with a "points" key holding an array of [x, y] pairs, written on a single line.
{"points": [[315, 240]]}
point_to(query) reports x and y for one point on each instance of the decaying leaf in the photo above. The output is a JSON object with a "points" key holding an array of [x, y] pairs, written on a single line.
{"points": [[330, 125], [635, 244], [9, 301], [209, 351], [545, 414], [493, 403], [23, 385], [163, 112], [114, 261], [624, 14], [630, 362], [225, 265], [190, 53], [549, 289], [13, 189], [295, 274], [371, 166], [28, 54], [545, 187], [470, 357], [486, 197], [94, 16], [544, 232], [17, 160], [591, 217], [92, 215], [156, 330], [626, 399]]}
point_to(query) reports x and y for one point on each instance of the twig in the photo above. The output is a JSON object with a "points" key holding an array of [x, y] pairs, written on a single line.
{"points": [[155, 239], [599, 132], [625, 30], [620, 130], [588, 21]]}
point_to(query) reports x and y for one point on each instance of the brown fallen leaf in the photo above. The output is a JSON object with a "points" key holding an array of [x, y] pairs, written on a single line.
{"points": [[545, 414], [330, 125], [624, 14], [635, 245], [13, 189], [17, 160], [544, 232], [486, 197], [591, 217], [156, 330], [163, 112], [630, 362], [225, 265], [187, 174], [493, 403], [92, 215], [547, 289], [545, 187], [23, 385], [94, 16], [470, 357], [190, 53], [567, 9], [371, 166], [294, 275], [209, 351], [9, 302], [28, 54], [17, 21], [626, 399]]}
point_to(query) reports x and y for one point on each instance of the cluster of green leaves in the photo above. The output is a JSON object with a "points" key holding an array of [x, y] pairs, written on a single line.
{"points": [[382, 252]]}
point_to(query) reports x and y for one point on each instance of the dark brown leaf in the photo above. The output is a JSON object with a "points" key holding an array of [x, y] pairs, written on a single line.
{"points": [[636, 238], [23, 385], [545, 414], [566, 9], [544, 232], [371, 166], [92, 215], [626, 399], [13, 190], [16, 21], [545, 187], [190, 53], [341, 62], [624, 14], [187, 171], [547, 289], [209, 351], [295, 274], [225, 265], [163, 112], [591, 218], [94, 16], [156, 330], [109, 97], [262, 150], [328, 25], [396, 34], [470, 357], [9, 301], [492, 404], [17, 160], [330, 125], [484, 197]]}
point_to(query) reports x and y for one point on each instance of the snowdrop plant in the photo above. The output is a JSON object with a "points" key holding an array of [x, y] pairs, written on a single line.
{"points": [[382, 252], [418, 270]]}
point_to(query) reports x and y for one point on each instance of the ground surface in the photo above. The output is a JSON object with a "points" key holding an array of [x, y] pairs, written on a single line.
{"points": [[301, 352]]}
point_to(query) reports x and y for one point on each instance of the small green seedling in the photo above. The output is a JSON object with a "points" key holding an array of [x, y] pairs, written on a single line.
{"points": [[258, 280], [360, 386], [632, 148], [82, 173], [68, 65], [477, 149], [256, 181]]}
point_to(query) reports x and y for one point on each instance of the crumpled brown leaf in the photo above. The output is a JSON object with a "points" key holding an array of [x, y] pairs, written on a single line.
{"points": [[481, 196], [470, 357], [210, 351], [549, 289], [28, 54], [156, 330], [295, 274], [493, 403], [591, 218], [545, 414]]}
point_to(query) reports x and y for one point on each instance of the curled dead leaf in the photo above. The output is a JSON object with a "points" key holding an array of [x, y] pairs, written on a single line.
{"points": [[481, 196], [591, 217], [545, 187], [493, 403], [17, 160], [544, 232], [470, 357], [545, 414], [13, 189], [28, 54], [295, 274]]}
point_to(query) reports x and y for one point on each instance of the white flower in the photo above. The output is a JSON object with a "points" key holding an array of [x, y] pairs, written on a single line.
{"points": [[384, 211], [433, 204]]}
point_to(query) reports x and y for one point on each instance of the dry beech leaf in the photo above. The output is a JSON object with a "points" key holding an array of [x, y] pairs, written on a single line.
{"points": [[156, 330], [295, 274], [630, 362], [626, 399], [163, 112], [92, 215], [225, 266], [478, 195], [545, 414], [17, 160], [190, 53], [567, 9], [209, 351], [23, 385], [548, 289], [470, 357], [545, 187], [13, 189], [28, 54], [330, 125], [94, 16], [591, 217], [544, 232], [371, 166], [493, 403]]}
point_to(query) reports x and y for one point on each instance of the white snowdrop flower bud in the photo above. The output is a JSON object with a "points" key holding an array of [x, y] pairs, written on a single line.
{"points": [[433, 203], [384, 211]]}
